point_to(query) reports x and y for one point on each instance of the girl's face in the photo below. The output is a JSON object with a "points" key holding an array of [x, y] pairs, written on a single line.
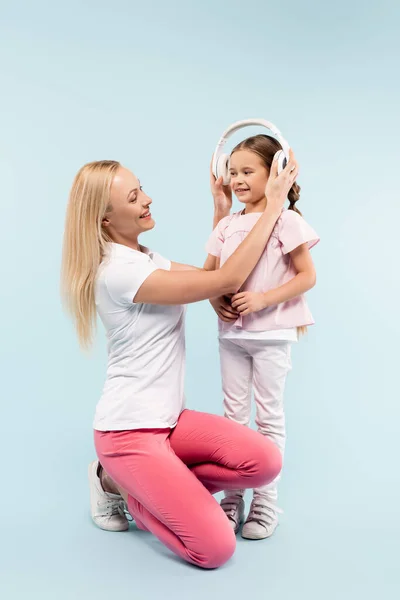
{"points": [[248, 177], [130, 208]]}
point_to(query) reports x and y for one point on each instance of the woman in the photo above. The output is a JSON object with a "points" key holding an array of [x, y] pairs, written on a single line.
{"points": [[165, 461]]}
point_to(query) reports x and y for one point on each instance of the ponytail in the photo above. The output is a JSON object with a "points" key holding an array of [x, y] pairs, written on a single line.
{"points": [[294, 196]]}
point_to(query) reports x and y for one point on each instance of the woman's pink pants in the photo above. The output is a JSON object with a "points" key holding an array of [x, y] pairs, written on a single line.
{"points": [[171, 474]]}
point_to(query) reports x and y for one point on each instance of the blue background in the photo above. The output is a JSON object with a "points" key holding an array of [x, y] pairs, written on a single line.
{"points": [[153, 85]]}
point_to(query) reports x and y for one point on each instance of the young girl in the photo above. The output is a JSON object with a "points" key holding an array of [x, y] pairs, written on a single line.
{"points": [[258, 324]]}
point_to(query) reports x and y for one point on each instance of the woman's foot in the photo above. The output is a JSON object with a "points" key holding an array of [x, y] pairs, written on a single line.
{"points": [[233, 507], [106, 507], [262, 519]]}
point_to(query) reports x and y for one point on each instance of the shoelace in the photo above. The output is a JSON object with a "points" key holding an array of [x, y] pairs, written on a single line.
{"points": [[122, 509], [263, 512], [230, 506], [109, 507]]}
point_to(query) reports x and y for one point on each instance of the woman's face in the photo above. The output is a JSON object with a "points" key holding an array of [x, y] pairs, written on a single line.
{"points": [[248, 176], [130, 208]]}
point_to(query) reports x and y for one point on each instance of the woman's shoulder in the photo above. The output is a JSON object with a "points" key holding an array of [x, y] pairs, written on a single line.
{"points": [[118, 254], [118, 260]]}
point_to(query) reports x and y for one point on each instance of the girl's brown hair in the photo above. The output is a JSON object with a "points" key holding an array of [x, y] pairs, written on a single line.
{"points": [[266, 147]]}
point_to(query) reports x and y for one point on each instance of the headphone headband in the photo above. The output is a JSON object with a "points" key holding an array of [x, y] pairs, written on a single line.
{"points": [[248, 123]]}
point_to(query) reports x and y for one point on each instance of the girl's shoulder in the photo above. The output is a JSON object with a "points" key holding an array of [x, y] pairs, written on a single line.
{"points": [[290, 216], [289, 220], [228, 220], [292, 230], [234, 216]]}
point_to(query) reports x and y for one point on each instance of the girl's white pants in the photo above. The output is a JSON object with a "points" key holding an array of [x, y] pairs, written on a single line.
{"points": [[261, 366]]}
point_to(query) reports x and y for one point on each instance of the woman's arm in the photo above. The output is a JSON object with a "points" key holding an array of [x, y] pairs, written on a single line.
{"points": [[184, 287], [181, 267], [304, 280], [209, 265]]}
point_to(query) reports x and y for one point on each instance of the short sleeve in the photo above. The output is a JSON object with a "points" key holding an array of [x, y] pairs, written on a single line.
{"points": [[217, 238], [295, 231], [123, 279], [161, 261]]}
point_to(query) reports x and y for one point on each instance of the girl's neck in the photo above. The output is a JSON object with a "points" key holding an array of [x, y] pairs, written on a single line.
{"points": [[255, 207]]}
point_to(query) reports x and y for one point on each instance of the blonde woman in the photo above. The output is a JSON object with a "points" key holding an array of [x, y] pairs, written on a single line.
{"points": [[165, 461]]}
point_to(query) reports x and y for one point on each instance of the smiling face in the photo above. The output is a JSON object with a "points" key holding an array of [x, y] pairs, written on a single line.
{"points": [[129, 213], [249, 177]]}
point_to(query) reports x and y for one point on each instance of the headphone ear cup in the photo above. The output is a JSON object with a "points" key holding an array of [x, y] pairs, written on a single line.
{"points": [[282, 162], [223, 169]]}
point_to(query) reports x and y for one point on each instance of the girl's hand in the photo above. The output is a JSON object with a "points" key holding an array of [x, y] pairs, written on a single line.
{"points": [[223, 309], [278, 186], [248, 302], [222, 194]]}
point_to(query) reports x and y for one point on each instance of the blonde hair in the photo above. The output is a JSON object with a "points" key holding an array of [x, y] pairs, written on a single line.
{"points": [[84, 244]]}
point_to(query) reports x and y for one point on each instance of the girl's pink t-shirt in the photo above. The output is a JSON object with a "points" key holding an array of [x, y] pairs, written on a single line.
{"points": [[272, 270]]}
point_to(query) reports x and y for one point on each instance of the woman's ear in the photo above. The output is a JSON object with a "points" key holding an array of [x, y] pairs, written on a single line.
{"points": [[105, 222]]}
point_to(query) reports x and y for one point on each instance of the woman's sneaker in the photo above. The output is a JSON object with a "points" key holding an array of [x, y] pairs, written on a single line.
{"points": [[233, 507], [262, 520], [107, 509]]}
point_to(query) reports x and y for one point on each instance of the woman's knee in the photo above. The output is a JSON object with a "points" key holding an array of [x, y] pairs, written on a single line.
{"points": [[221, 547], [267, 460]]}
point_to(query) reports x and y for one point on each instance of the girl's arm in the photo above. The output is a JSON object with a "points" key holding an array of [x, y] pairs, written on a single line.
{"points": [[247, 302], [305, 279], [222, 304], [222, 195]]}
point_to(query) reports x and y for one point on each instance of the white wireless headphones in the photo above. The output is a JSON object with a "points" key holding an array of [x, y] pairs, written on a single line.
{"points": [[220, 164]]}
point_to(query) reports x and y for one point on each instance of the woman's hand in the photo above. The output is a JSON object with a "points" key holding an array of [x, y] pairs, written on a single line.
{"points": [[222, 194], [278, 186], [223, 308], [248, 302]]}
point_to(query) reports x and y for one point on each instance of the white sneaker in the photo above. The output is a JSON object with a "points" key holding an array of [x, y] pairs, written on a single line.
{"points": [[107, 510], [233, 507], [262, 519]]}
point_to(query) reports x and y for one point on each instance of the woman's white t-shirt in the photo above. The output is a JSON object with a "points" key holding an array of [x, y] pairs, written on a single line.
{"points": [[144, 388]]}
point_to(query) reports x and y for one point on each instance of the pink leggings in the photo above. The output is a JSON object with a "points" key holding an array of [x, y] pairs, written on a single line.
{"points": [[170, 476]]}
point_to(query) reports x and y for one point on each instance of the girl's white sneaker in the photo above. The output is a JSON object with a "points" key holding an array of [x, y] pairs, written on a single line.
{"points": [[233, 507], [262, 519]]}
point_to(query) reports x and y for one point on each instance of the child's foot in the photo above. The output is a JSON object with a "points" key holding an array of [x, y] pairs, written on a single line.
{"points": [[233, 507], [107, 509], [262, 519]]}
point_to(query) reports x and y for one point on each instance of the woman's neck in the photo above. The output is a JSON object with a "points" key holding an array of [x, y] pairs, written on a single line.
{"points": [[124, 241]]}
